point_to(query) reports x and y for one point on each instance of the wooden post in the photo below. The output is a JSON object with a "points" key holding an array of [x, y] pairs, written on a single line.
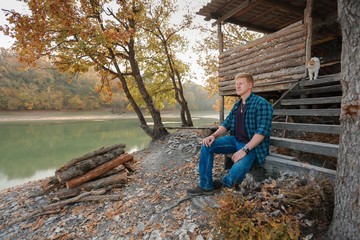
{"points": [[220, 39], [308, 23], [221, 109], [308, 44], [221, 49]]}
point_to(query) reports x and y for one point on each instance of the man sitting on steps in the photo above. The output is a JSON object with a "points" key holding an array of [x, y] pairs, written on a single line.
{"points": [[249, 123]]}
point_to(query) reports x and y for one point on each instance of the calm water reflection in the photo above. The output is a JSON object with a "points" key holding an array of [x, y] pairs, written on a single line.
{"points": [[34, 149]]}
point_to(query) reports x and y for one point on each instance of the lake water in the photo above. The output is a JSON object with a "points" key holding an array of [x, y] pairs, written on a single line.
{"points": [[34, 144]]}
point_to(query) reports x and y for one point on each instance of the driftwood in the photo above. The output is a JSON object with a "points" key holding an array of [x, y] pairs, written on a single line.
{"points": [[110, 182], [128, 167], [97, 152], [65, 193], [84, 166], [93, 173], [51, 207], [176, 204], [50, 184]]}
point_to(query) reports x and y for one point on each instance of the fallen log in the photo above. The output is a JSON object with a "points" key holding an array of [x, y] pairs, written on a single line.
{"points": [[77, 181], [51, 207], [117, 178], [65, 193], [84, 166], [95, 153], [118, 169], [115, 181]]}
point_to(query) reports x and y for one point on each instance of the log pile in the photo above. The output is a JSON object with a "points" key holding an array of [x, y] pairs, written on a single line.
{"points": [[86, 178], [103, 169]]}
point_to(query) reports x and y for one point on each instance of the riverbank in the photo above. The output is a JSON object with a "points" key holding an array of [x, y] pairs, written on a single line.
{"points": [[152, 205], [23, 116], [34, 143]]}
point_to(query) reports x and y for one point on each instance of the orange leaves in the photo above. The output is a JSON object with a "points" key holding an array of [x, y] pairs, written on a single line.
{"points": [[38, 224]]}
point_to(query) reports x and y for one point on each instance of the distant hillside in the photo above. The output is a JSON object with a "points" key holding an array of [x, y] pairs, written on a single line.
{"points": [[44, 88]]}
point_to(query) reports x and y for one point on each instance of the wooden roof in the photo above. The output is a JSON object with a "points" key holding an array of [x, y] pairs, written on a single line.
{"points": [[265, 16]]}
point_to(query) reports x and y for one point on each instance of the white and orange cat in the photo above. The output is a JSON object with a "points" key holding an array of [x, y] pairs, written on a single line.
{"points": [[313, 66]]}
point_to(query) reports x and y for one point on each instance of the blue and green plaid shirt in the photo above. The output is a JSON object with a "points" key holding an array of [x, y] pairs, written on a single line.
{"points": [[258, 118]]}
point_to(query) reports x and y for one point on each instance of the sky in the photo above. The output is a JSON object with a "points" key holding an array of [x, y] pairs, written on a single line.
{"points": [[189, 57]]}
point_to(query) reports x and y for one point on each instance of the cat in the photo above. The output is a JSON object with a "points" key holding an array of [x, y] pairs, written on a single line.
{"points": [[313, 66]]}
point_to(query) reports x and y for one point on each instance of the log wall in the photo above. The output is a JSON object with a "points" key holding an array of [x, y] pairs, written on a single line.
{"points": [[276, 61]]}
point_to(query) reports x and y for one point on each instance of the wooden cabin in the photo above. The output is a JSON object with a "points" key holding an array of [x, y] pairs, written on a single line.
{"points": [[295, 31]]}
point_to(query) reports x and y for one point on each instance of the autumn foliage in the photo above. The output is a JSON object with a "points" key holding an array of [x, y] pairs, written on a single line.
{"points": [[108, 36], [279, 210]]}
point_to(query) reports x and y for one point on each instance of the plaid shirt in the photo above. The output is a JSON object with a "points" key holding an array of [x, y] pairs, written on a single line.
{"points": [[258, 118]]}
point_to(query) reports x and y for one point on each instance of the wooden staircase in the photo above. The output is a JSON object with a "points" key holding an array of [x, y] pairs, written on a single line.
{"points": [[308, 107]]}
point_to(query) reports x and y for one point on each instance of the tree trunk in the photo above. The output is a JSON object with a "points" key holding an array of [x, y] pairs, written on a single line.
{"points": [[150, 132], [159, 129], [178, 89], [184, 107], [346, 218]]}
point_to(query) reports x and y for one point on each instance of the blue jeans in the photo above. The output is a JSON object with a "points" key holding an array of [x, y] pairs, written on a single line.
{"points": [[224, 145]]}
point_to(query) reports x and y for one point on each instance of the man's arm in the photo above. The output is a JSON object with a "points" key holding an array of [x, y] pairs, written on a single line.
{"points": [[210, 139], [255, 140]]}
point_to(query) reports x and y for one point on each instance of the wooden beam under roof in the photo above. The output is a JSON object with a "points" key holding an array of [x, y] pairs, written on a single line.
{"points": [[286, 6], [243, 6], [252, 27]]}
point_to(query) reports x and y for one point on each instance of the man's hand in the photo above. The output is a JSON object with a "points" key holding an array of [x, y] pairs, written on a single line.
{"points": [[238, 156], [208, 140]]}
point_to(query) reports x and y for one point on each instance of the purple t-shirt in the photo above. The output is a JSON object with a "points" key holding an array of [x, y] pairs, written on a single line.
{"points": [[240, 131]]}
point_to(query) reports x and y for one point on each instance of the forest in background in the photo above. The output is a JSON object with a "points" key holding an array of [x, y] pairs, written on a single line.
{"points": [[45, 88]]}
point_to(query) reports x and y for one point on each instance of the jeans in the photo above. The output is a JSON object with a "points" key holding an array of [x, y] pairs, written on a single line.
{"points": [[224, 145]]}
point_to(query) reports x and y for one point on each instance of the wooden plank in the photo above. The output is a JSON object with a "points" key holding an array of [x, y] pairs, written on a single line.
{"points": [[326, 149], [326, 89], [311, 101], [267, 38], [331, 112], [282, 164], [266, 54], [234, 11], [322, 81], [274, 155], [306, 127], [282, 156]]}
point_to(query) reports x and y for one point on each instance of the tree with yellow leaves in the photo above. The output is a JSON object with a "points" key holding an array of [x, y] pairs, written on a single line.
{"points": [[78, 35]]}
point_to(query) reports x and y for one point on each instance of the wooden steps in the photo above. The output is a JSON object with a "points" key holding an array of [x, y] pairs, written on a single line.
{"points": [[322, 81], [315, 90], [308, 112], [326, 149], [307, 102], [283, 163], [306, 127], [311, 101]]}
